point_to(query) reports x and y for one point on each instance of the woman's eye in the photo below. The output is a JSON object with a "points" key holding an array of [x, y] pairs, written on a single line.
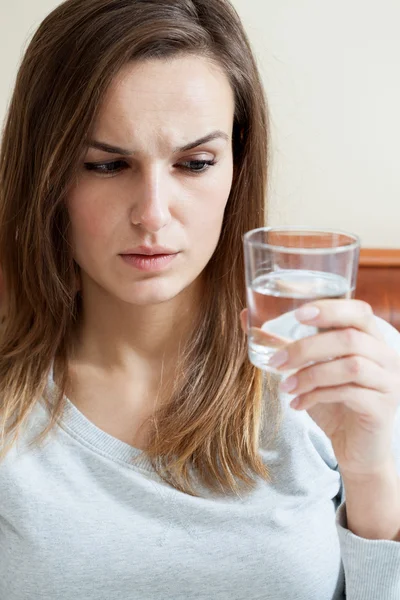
{"points": [[197, 166], [111, 168], [107, 168]]}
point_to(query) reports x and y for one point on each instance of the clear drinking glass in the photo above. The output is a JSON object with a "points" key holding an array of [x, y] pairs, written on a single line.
{"points": [[287, 267]]}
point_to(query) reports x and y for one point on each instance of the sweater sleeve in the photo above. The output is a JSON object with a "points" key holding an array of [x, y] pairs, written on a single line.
{"points": [[371, 567]]}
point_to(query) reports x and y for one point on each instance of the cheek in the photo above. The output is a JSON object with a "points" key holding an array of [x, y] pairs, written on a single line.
{"points": [[90, 218], [87, 223], [208, 216]]}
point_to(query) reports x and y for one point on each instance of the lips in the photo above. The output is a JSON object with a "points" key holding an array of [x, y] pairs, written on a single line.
{"points": [[153, 262], [149, 251], [143, 255]]}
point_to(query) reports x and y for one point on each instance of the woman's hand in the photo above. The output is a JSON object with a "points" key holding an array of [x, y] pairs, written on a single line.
{"points": [[353, 390]]}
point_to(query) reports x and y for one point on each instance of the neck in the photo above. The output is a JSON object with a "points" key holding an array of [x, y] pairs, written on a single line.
{"points": [[117, 335]]}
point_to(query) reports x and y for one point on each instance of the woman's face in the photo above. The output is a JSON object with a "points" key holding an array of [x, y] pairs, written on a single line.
{"points": [[151, 190]]}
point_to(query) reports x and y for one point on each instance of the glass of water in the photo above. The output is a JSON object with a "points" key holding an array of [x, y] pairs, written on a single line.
{"points": [[287, 267]]}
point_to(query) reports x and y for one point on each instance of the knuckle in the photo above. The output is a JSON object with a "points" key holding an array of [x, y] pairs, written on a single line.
{"points": [[350, 337], [355, 365]]}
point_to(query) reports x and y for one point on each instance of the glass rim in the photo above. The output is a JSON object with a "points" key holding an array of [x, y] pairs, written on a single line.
{"points": [[284, 249]]}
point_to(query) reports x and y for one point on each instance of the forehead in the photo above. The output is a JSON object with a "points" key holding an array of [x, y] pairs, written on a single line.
{"points": [[179, 97]]}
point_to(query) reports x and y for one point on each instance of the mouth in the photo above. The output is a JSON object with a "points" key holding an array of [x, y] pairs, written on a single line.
{"points": [[149, 251], [148, 255], [153, 262]]}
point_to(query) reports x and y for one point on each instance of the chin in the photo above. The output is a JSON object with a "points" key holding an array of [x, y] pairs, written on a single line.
{"points": [[153, 292]]}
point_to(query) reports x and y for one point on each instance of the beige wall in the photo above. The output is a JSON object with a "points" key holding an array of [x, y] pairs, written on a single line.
{"points": [[332, 75]]}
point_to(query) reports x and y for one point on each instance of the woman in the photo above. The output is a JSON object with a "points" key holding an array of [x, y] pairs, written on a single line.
{"points": [[143, 456]]}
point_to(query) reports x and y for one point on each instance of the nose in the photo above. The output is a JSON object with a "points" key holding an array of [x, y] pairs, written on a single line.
{"points": [[150, 207]]}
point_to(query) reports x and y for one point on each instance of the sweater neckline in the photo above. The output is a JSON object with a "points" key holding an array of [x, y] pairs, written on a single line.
{"points": [[76, 424]]}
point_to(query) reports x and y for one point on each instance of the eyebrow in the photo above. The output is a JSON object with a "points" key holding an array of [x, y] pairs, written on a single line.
{"points": [[105, 147]]}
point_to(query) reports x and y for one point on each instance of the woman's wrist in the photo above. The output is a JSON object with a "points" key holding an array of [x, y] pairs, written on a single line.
{"points": [[373, 504]]}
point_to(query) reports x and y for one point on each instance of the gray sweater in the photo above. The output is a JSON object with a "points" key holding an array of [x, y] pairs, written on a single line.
{"points": [[79, 522]]}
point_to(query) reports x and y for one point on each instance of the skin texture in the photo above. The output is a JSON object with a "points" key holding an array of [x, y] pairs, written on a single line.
{"points": [[134, 321], [152, 108], [353, 397], [352, 393]]}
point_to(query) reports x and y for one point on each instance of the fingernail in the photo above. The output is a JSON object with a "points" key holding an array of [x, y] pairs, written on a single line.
{"points": [[295, 403], [288, 385], [306, 313], [278, 359]]}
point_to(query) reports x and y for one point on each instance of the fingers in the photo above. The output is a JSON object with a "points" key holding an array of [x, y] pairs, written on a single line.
{"points": [[352, 370], [335, 314], [336, 344], [261, 337], [341, 314], [374, 406]]}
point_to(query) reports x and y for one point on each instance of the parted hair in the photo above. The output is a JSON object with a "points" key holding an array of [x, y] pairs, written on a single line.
{"points": [[210, 428]]}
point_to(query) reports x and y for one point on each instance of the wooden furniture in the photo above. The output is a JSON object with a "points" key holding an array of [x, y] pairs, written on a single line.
{"points": [[379, 282]]}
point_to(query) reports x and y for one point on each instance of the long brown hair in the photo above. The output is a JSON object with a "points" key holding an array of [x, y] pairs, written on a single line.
{"points": [[212, 423]]}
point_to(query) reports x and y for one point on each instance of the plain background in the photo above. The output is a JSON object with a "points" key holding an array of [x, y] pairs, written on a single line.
{"points": [[332, 76]]}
